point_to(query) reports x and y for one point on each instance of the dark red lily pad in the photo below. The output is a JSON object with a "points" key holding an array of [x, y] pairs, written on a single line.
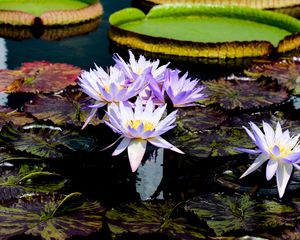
{"points": [[47, 142], [243, 94], [285, 71], [154, 217], [50, 216], [39, 76], [197, 119], [227, 213], [68, 108], [10, 115]]}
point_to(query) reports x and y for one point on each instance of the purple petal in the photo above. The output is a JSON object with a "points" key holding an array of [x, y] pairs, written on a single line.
{"points": [[122, 146], [92, 113], [291, 158], [162, 143], [256, 164], [250, 151], [276, 150]]}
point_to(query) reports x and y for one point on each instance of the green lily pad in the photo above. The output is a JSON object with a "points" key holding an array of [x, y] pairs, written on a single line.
{"points": [[231, 94], [46, 142], [154, 217], [285, 71], [212, 143], [61, 109], [15, 181], [10, 115], [56, 12], [50, 217], [225, 213], [205, 31], [40, 76]]}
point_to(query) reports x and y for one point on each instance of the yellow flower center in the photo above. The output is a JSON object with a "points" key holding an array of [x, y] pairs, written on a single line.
{"points": [[282, 152], [136, 123]]}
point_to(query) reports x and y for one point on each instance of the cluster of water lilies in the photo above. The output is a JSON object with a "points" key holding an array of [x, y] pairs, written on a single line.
{"points": [[151, 86], [140, 121]]}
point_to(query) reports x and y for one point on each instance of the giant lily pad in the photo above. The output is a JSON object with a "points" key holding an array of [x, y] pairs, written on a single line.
{"points": [[41, 76], [50, 217], [46, 142], [154, 217], [10, 115], [205, 31], [55, 12], [285, 71], [225, 213], [231, 94], [60, 109]]}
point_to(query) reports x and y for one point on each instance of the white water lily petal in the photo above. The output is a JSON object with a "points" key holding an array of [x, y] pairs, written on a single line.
{"points": [[122, 146], [269, 133], [256, 164], [271, 169], [136, 151], [162, 143], [283, 175]]}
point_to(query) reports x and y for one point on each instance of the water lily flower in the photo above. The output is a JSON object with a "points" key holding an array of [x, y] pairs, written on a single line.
{"points": [[182, 91], [108, 87], [138, 125], [280, 149], [135, 68]]}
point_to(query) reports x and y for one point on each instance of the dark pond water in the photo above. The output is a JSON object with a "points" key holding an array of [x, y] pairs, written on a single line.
{"points": [[209, 173]]}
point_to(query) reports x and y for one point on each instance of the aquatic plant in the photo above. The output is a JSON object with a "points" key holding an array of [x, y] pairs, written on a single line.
{"points": [[106, 88], [280, 149], [138, 125]]}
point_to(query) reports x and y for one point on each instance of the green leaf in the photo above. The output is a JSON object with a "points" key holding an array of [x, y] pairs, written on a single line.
{"points": [[45, 141], [225, 213], [33, 215], [154, 217]]}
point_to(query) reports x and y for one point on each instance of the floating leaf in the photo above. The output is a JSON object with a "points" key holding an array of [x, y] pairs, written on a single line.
{"points": [[153, 217], [61, 109], [197, 119], [39, 76], [285, 71], [46, 142], [225, 213], [213, 143], [15, 181], [37, 215], [243, 94], [10, 115]]}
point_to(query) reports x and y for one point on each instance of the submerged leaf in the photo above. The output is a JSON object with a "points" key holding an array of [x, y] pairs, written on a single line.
{"points": [[285, 71], [243, 94], [46, 142], [40, 76], [10, 115], [197, 119], [154, 217], [225, 213], [34, 215], [60, 109]]}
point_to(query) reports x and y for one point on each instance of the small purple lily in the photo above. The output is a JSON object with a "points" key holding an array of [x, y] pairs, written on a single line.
{"points": [[139, 125], [281, 151]]}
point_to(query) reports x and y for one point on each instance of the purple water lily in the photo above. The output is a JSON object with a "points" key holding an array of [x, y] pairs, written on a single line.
{"points": [[108, 87], [139, 125], [182, 91], [280, 149], [135, 68]]}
